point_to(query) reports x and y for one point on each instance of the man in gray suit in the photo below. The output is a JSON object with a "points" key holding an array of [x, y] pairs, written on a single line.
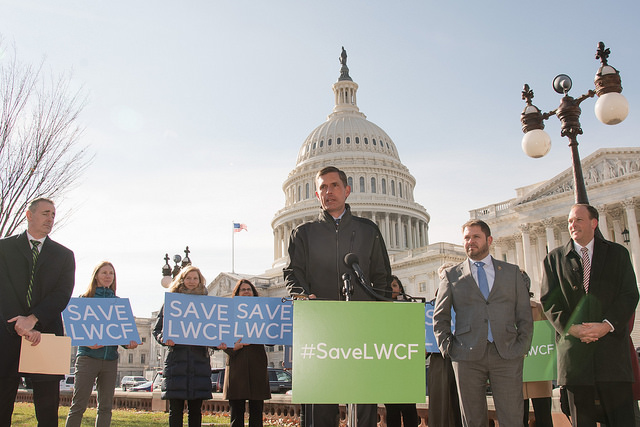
{"points": [[493, 329]]}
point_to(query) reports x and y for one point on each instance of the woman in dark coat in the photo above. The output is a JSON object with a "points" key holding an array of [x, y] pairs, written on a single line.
{"points": [[187, 371], [246, 376]]}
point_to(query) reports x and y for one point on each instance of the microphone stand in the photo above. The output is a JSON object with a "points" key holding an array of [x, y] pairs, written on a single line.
{"points": [[347, 293]]}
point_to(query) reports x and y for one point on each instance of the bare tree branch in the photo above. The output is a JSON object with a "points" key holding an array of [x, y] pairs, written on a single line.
{"points": [[39, 138]]}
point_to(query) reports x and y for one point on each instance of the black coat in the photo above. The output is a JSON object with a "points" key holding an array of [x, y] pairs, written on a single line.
{"points": [[187, 370], [613, 296], [52, 287]]}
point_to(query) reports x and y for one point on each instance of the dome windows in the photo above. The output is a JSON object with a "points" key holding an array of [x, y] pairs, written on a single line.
{"points": [[329, 141], [362, 184], [357, 140]]}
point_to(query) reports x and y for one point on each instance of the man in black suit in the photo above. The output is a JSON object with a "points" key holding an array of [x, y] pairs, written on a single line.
{"points": [[36, 281], [589, 293]]}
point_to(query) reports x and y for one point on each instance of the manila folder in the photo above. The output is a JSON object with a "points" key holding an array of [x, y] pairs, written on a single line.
{"points": [[51, 356]]}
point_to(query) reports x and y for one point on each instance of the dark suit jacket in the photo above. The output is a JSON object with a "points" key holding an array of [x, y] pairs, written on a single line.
{"points": [[507, 308], [52, 288], [613, 295]]}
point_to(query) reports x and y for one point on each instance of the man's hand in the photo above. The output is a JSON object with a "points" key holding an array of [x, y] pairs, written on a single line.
{"points": [[589, 332], [132, 344], [33, 337], [24, 324]]}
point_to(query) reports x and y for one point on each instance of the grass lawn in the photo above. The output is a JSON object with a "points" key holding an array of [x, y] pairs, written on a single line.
{"points": [[24, 415]]}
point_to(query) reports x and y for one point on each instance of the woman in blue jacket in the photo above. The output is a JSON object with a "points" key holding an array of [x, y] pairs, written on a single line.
{"points": [[96, 363]]}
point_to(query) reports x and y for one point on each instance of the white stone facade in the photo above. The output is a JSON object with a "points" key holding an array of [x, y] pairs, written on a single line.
{"points": [[528, 226]]}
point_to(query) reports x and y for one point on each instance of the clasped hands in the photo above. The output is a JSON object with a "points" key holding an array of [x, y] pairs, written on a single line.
{"points": [[24, 327], [589, 332]]}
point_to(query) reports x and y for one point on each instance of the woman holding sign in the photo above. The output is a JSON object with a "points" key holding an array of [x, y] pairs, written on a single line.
{"points": [[97, 363], [187, 371], [246, 376]]}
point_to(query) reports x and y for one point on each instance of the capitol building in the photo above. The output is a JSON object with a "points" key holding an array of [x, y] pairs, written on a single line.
{"points": [[525, 227], [382, 189]]}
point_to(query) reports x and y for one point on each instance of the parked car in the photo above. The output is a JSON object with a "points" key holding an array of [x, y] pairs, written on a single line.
{"points": [[146, 386], [129, 382], [279, 380], [67, 383]]}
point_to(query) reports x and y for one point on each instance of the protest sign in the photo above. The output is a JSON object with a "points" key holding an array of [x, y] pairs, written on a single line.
{"points": [[540, 364], [431, 346], [358, 352], [210, 321], [100, 321]]}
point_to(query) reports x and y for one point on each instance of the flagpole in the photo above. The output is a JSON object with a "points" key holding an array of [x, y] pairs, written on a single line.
{"points": [[233, 249]]}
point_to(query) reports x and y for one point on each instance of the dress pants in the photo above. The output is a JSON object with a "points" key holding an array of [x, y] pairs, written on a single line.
{"points": [[8, 392], [615, 409], [46, 398], [505, 377]]}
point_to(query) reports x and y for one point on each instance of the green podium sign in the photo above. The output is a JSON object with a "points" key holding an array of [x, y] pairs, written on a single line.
{"points": [[358, 352], [540, 364]]}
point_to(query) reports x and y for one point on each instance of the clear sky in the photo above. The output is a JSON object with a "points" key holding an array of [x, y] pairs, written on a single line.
{"points": [[197, 110]]}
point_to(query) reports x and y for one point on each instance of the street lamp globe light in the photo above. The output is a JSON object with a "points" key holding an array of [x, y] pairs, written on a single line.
{"points": [[611, 108]]}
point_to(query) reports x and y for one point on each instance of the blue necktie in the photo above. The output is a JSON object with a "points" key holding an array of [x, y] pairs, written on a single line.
{"points": [[483, 284]]}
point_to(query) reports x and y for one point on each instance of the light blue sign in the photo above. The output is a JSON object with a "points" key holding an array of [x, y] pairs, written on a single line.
{"points": [[210, 321], [100, 321], [431, 346]]}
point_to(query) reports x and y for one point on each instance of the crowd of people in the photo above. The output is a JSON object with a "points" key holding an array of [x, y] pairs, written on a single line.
{"points": [[588, 293]]}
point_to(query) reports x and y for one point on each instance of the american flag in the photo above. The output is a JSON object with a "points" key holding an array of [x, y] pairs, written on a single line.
{"points": [[237, 227]]}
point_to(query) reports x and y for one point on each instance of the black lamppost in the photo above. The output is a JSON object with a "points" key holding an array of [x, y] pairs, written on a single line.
{"points": [[168, 274], [611, 108]]}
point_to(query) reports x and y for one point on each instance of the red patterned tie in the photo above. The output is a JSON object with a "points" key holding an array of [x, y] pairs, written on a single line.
{"points": [[586, 268]]}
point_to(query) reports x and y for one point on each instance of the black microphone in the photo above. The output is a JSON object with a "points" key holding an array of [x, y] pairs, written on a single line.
{"points": [[351, 260]]}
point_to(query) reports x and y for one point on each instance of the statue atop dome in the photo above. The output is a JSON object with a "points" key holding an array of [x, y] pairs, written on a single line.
{"points": [[344, 70]]}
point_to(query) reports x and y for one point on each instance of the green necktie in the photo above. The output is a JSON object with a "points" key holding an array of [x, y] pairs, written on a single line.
{"points": [[34, 254]]}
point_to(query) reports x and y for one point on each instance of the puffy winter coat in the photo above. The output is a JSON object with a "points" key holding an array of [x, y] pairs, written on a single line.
{"points": [[187, 371]]}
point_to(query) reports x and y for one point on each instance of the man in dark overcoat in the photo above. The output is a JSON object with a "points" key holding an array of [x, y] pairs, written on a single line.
{"points": [[36, 281], [589, 293]]}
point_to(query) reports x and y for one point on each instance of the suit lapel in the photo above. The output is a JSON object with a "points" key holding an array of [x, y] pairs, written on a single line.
{"points": [[497, 278], [468, 278], [597, 262]]}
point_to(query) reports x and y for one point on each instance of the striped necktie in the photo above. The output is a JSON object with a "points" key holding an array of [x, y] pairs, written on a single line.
{"points": [[586, 269], [34, 255]]}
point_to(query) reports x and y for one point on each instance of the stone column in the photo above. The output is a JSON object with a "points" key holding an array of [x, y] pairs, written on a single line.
{"points": [[602, 222], [526, 249], [618, 219], [519, 250], [409, 234], [634, 239], [551, 238], [277, 239], [497, 250], [386, 229]]}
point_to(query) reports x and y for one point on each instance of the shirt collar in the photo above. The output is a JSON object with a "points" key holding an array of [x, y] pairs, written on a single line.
{"points": [[577, 247], [30, 238]]}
